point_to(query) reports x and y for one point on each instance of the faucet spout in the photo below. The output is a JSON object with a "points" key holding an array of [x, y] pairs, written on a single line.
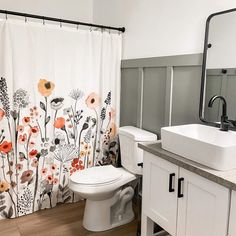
{"points": [[224, 124], [224, 108]]}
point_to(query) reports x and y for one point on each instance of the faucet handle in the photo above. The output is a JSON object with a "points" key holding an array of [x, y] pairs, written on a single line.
{"points": [[224, 126], [232, 122]]}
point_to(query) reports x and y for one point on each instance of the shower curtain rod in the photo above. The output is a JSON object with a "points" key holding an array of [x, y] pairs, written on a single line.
{"points": [[122, 29]]}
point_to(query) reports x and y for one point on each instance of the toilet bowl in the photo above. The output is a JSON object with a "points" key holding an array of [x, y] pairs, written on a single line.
{"points": [[108, 205], [108, 190]]}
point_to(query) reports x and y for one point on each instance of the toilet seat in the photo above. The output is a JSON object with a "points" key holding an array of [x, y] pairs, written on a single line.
{"points": [[97, 176], [111, 179]]}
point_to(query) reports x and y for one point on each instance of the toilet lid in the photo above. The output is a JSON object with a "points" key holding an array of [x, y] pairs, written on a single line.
{"points": [[97, 175]]}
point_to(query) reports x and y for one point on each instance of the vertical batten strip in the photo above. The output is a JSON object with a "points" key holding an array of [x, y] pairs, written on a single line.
{"points": [[169, 93], [140, 98]]}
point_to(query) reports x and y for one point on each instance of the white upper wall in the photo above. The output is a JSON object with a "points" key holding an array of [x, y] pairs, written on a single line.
{"points": [[153, 27], [159, 27], [81, 10]]}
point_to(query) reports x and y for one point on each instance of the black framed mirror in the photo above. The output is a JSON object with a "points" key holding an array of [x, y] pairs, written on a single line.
{"points": [[219, 68]]}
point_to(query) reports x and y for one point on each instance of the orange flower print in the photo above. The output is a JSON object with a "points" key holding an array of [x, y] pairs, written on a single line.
{"points": [[20, 128], [49, 178], [34, 131], [45, 87], [44, 171], [75, 162], [59, 123], [55, 181], [92, 101], [22, 139], [112, 130], [6, 147], [19, 167], [4, 186], [26, 121], [112, 113], [31, 144], [33, 153], [26, 176], [2, 114], [35, 163], [82, 154], [76, 165], [53, 167], [86, 146]]}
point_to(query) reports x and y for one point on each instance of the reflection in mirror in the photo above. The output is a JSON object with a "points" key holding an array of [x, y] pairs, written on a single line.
{"points": [[219, 66], [221, 82]]}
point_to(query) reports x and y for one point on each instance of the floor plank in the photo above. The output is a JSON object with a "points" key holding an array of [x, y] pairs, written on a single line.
{"points": [[63, 220], [9, 228]]}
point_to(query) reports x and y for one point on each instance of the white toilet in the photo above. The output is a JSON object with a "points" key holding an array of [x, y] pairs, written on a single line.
{"points": [[107, 189]]}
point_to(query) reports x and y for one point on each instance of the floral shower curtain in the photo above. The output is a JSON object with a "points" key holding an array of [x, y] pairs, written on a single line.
{"points": [[59, 108]]}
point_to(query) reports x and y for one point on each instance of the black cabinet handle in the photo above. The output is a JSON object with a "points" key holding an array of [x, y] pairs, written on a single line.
{"points": [[171, 189], [180, 181]]}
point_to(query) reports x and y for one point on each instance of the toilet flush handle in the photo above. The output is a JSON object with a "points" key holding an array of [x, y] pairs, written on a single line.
{"points": [[140, 164]]}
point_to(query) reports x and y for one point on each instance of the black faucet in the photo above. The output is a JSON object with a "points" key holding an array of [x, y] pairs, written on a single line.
{"points": [[224, 121]]}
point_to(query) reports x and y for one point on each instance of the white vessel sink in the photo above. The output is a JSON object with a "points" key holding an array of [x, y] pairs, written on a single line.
{"points": [[203, 144]]}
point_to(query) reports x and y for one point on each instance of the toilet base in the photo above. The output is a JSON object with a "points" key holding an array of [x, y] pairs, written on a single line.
{"points": [[101, 215]]}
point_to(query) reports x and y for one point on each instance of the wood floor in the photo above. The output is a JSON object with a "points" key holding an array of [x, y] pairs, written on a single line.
{"points": [[63, 220]]}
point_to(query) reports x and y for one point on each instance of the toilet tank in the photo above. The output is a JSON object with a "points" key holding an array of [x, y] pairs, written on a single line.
{"points": [[131, 155]]}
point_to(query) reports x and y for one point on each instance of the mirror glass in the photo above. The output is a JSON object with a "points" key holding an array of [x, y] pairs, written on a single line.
{"points": [[219, 66]]}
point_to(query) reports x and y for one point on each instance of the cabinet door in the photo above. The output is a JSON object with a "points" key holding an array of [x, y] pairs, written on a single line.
{"points": [[204, 208], [159, 198], [232, 220]]}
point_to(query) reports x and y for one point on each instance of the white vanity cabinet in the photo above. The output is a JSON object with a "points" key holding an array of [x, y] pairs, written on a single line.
{"points": [[232, 219], [204, 208], [159, 198], [181, 202]]}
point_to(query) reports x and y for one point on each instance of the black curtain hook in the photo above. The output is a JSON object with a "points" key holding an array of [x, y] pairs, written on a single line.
{"points": [[25, 19], [43, 21], [60, 24], [6, 16]]}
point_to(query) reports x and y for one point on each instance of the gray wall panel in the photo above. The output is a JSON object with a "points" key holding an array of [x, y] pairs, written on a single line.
{"points": [[154, 90], [231, 96], [213, 87], [129, 97], [161, 91], [186, 95]]}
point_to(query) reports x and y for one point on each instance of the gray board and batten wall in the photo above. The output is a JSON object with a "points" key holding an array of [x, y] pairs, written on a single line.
{"points": [[160, 91]]}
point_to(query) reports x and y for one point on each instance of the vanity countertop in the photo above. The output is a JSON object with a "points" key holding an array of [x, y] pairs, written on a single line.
{"points": [[224, 178]]}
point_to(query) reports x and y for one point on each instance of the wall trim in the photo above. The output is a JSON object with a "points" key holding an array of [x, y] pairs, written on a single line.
{"points": [[177, 60]]}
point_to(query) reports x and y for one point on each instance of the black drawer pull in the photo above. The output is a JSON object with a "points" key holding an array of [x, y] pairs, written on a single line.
{"points": [[171, 188], [180, 181]]}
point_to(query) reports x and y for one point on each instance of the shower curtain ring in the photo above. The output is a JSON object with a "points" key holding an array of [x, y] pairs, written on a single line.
{"points": [[6, 16], [91, 29], [77, 26], [43, 21], [60, 24], [26, 19]]}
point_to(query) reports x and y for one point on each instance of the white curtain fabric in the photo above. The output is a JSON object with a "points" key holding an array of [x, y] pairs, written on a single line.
{"points": [[59, 109]]}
